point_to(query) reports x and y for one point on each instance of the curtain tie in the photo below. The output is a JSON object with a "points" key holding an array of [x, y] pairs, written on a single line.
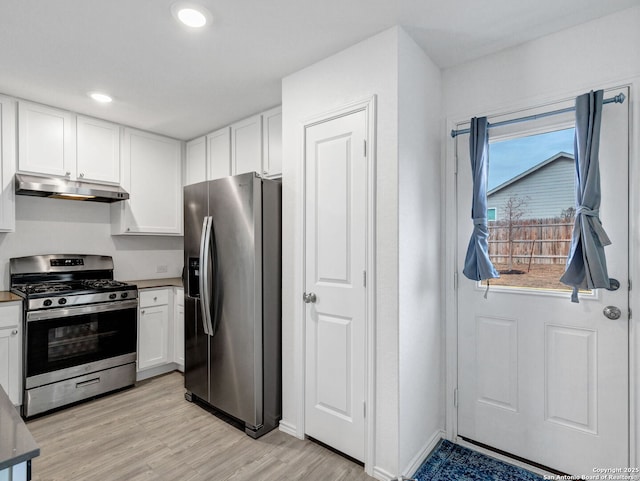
{"points": [[595, 223]]}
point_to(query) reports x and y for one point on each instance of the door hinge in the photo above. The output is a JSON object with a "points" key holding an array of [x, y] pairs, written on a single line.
{"points": [[629, 284], [455, 281], [365, 147], [364, 408], [455, 397], [629, 313], [364, 278]]}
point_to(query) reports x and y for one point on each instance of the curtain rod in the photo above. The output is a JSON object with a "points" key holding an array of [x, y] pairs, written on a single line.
{"points": [[618, 99]]}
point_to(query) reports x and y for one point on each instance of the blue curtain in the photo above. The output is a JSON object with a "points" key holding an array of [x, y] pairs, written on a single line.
{"points": [[477, 265], [586, 265]]}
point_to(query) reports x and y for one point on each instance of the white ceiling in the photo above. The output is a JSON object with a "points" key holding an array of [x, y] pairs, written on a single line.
{"points": [[168, 79]]}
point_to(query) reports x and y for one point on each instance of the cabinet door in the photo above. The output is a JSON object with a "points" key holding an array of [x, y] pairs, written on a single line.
{"points": [[178, 347], [98, 153], [272, 143], [152, 173], [246, 146], [196, 161], [46, 140], [7, 164], [219, 154], [10, 359], [153, 328]]}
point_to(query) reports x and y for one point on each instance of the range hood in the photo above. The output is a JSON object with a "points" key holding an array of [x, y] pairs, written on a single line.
{"points": [[68, 189]]}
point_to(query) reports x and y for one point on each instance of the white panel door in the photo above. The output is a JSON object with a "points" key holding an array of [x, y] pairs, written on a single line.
{"points": [[541, 377], [98, 150], [335, 246]]}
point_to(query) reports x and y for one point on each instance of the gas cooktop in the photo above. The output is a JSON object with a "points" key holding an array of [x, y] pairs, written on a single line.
{"points": [[59, 288]]}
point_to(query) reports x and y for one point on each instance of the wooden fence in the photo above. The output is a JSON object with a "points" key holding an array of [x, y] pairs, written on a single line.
{"points": [[537, 241]]}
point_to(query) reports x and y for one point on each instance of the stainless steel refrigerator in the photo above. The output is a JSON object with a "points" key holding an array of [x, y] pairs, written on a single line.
{"points": [[232, 256]]}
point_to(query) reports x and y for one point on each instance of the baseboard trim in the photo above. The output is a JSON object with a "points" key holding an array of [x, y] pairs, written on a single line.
{"points": [[383, 475], [156, 371], [419, 458], [288, 428]]}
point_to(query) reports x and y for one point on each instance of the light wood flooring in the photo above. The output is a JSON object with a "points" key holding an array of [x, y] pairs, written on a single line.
{"points": [[151, 433]]}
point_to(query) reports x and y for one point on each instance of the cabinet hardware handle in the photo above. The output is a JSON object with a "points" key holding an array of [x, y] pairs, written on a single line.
{"points": [[14, 332], [142, 311], [155, 298], [81, 175], [67, 174]]}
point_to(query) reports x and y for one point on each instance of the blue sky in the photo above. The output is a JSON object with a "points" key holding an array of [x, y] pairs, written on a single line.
{"points": [[509, 158]]}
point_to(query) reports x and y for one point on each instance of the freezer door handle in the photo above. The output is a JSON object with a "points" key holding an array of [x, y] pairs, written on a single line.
{"points": [[205, 246]]}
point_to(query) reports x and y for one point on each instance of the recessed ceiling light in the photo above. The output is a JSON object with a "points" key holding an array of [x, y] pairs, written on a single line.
{"points": [[191, 15], [100, 97], [192, 18]]}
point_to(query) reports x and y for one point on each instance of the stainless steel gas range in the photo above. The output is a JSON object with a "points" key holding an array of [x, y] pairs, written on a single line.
{"points": [[80, 329]]}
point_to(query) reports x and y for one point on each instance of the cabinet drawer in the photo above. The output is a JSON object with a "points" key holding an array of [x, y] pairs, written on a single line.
{"points": [[149, 298], [10, 315]]}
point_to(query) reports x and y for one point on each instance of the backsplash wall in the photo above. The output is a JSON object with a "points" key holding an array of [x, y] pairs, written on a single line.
{"points": [[53, 226]]}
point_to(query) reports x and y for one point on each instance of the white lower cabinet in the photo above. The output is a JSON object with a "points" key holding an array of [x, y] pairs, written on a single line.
{"points": [[160, 331], [10, 350], [153, 328]]}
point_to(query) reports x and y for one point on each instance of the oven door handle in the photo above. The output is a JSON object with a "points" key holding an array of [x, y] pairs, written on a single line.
{"points": [[205, 282], [77, 311]]}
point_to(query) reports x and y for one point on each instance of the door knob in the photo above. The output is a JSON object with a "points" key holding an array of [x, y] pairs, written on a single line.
{"points": [[309, 298], [612, 312]]}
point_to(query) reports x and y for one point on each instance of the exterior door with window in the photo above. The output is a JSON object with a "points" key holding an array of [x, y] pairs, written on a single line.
{"points": [[540, 377]]}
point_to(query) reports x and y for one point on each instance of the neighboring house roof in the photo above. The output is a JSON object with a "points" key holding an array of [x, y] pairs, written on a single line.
{"points": [[559, 155]]}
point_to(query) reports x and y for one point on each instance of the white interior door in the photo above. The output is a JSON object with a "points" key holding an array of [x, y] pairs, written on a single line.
{"points": [[538, 376], [335, 261]]}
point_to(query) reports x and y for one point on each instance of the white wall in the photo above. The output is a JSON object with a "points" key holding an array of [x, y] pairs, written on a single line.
{"points": [[408, 359], [366, 69], [54, 226], [598, 54], [421, 368]]}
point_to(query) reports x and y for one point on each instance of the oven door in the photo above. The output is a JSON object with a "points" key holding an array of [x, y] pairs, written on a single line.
{"points": [[67, 342]]}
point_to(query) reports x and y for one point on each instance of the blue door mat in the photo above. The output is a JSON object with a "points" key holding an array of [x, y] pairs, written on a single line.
{"points": [[450, 462]]}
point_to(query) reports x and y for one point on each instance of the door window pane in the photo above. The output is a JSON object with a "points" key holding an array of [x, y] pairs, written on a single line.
{"points": [[531, 205]]}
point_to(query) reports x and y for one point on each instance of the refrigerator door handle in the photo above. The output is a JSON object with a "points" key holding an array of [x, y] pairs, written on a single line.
{"points": [[205, 304]]}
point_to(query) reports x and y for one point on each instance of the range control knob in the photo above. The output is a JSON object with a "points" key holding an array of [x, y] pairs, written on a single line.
{"points": [[124, 294], [62, 301], [47, 302], [112, 296]]}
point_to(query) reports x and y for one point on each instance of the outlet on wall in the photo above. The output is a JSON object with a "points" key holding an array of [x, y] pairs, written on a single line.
{"points": [[161, 268]]}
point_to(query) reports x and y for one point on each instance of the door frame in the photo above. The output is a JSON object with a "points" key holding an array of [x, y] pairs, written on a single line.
{"points": [[367, 105], [451, 261]]}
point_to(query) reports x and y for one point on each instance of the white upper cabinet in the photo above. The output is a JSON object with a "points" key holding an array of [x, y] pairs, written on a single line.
{"points": [[7, 164], [272, 143], [56, 143], [219, 153], [98, 153], [246, 145], [152, 174], [46, 140], [196, 161]]}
